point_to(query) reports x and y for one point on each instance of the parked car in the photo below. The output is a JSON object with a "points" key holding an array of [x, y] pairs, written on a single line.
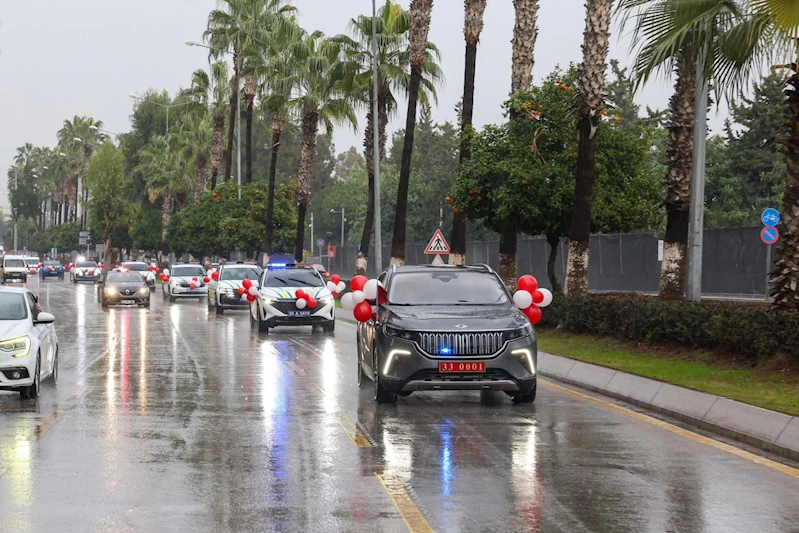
{"points": [[28, 343], [52, 268], [14, 268]]}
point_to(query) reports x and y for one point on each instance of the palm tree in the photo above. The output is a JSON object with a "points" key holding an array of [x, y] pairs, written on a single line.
{"points": [[196, 136], [590, 102], [165, 175], [472, 27], [320, 99], [78, 137], [420, 13], [212, 91], [393, 25], [740, 37]]}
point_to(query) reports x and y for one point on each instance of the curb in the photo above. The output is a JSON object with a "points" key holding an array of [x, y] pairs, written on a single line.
{"points": [[771, 431]]}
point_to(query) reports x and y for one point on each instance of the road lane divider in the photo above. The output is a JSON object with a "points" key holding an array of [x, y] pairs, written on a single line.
{"points": [[411, 514], [45, 424], [297, 371], [743, 454], [355, 434]]}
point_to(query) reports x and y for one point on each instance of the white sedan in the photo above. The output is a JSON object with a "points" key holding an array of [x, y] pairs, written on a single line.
{"points": [[28, 343], [185, 281]]}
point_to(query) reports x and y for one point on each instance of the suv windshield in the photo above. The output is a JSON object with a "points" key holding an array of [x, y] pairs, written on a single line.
{"points": [[187, 271], [52, 263], [446, 288], [123, 277], [86, 264], [12, 306], [32, 261], [14, 263], [294, 277], [239, 273], [138, 267]]}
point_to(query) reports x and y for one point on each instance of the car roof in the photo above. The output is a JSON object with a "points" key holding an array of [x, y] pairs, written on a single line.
{"points": [[434, 268], [186, 265], [15, 290], [13, 257], [134, 263], [239, 265]]}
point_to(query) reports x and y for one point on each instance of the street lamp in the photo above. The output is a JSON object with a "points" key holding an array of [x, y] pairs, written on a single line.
{"points": [[342, 222], [191, 42], [167, 106]]}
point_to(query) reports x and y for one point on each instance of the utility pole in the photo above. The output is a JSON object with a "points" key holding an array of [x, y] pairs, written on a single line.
{"points": [[695, 236], [311, 226], [376, 149], [16, 215], [342, 226]]}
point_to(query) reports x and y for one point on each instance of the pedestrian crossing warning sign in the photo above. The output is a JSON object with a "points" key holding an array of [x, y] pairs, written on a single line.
{"points": [[438, 244]]}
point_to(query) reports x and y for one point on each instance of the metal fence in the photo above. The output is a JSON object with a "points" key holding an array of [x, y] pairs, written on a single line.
{"points": [[734, 261]]}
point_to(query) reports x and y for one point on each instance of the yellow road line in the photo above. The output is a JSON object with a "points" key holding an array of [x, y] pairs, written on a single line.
{"points": [[743, 454], [297, 371], [77, 394], [46, 424], [355, 434], [411, 514]]}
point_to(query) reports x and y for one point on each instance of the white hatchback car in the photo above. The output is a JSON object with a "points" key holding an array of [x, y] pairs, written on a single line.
{"points": [[181, 279], [143, 269], [28, 343], [278, 304]]}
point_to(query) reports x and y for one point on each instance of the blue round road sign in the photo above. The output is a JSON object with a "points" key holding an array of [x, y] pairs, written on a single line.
{"points": [[769, 235], [770, 217], [320, 243]]}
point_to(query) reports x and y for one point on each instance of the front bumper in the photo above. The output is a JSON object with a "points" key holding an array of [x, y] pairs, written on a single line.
{"points": [[51, 273], [186, 292], [226, 301], [278, 313], [86, 277], [120, 298], [15, 275], [26, 366], [405, 368]]}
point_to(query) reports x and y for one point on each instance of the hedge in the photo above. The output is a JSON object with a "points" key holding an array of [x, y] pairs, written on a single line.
{"points": [[751, 330]]}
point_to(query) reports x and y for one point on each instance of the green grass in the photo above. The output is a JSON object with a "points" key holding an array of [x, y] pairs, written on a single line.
{"points": [[694, 369]]}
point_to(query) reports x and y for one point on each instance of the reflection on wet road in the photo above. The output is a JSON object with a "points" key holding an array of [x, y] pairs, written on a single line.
{"points": [[174, 419]]}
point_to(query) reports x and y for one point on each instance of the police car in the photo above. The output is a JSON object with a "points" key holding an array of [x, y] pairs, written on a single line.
{"points": [[292, 295], [223, 291]]}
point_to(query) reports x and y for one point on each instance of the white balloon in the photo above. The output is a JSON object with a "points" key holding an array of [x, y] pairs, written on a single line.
{"points": [[547, 297], [253, 290], [166, 272], [347, 302], [523, 299], [370, 289], [341, 286], [331, 286], [358, 297], [244, 297], [301, 303]]}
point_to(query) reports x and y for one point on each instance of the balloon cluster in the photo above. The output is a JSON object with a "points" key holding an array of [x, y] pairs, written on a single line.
{"points": [[304, 300], [154, 268], [530, 299], [247, 291], [335, 285], [363, 290]]}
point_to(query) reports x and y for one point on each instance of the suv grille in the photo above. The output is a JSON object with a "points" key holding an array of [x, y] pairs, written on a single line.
{"points": [[462, 344], [284, 306]]}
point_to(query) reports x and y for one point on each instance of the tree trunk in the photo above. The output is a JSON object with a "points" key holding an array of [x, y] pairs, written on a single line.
{"points": [[249, 95], [678, 182], [310, 125], [400, 218], [785, 276], [106, 255], [277, 130], [199, 186], [166, 205], [507, 259], [368, 224], [216, 147], [554, 242], [596, 42], [234, 102]]}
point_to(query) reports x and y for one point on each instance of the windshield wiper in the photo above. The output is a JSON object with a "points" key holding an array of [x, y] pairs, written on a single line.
{"points": [[306, 283]]}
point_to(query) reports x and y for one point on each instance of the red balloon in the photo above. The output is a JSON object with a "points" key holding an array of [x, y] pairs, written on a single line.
{"points": [[358, 282], [311, 302], [241, 290], [299, 293], [246, 283], [194, 278], [363, 311], [192, 286], [206, 279], [538, 297], [215, 276], [533, 313], [335, 278], [527, 283], [335, 294], [251, 298]]}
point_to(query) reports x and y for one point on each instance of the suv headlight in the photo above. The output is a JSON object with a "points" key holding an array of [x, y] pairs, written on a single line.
{"points": [[18, 347], [326, 300], [518, 333], [396, 332]]}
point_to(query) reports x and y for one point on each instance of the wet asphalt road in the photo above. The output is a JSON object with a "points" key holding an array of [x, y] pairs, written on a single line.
{"points": [[171, 419]]}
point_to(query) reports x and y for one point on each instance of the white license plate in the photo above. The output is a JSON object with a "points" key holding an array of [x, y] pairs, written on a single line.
{"points": [[299, 313]]}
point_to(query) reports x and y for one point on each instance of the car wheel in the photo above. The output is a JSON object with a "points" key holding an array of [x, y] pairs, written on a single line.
{"points": [[329, 328], [525, 397], [104, 303], [74, 280], [171, 298], [219, 310], [381, 395], [147, 304], [61, 277], [262, 327], [361, 373], [32, 392], [55, 367], [163, 293]]}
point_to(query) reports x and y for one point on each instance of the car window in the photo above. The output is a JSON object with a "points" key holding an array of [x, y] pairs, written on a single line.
{"points": [[32, 261], [14, 263], [50, 262], [293, 277], [239, 273], [12, 306], [446, 288], [86, 264], [188, 271], [123, 277], [138, 267], [33, 307]]}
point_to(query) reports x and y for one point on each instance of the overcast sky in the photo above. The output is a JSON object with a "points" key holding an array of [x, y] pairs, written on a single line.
{"points": [[60, 58]]}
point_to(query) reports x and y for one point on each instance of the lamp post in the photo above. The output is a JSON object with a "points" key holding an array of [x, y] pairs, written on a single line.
{"points": [[16, 215], [376, 149], [342, 222], [238, 111], [95, 128], [167, 106]]}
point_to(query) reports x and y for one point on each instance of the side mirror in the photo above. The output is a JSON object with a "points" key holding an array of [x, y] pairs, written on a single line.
{"points": [[45, 318]]}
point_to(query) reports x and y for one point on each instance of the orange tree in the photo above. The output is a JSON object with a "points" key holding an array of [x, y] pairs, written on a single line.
{"points": [[521, 174]]}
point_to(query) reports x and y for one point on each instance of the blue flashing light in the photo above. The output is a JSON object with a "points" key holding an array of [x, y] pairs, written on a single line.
{"points": [[445, 350], [277, 265]]}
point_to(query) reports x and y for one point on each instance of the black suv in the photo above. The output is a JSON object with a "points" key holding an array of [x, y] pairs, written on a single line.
{"points": [[447, 328]]}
